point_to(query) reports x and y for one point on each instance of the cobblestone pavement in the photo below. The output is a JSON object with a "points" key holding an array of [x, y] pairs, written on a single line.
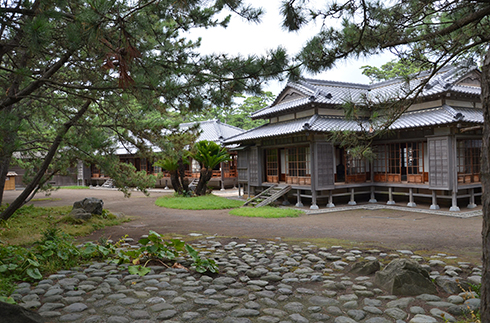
{"points": [[268, 281]]}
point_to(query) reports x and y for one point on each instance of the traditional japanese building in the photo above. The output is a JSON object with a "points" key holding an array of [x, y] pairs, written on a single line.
{"points": [[432, 152], [225, 174]]}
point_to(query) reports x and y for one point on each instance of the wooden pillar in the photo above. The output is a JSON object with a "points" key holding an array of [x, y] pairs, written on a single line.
{"points": [[330, 199], [222, 177], [373, 197], [313, 206], [390, 197], [411, 203], [313, 169], [239, 190], [298, 201], [434, 205], [352, 198], [454, 207], [472, 204]]}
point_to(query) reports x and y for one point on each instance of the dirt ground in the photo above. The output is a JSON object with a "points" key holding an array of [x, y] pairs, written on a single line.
{"points": [[390, 229]]}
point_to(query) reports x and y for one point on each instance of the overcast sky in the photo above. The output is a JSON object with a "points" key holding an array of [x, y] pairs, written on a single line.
{"points": [[249, 38]]}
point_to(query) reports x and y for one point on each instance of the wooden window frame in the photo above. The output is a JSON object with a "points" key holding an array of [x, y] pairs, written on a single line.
{"points": [[468, 160]]}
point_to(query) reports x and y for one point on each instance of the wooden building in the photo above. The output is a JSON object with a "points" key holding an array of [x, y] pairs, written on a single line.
{"points": [[432, 152], [225, 175]]}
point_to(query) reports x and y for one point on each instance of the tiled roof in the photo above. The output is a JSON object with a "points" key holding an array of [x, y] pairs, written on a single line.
{"points": [[213, 130], [337, 93], [421, 118]]}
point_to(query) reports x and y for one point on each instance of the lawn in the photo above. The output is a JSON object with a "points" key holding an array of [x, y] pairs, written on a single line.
{"points": [[28, 223], [207, 202], [267, 212]]}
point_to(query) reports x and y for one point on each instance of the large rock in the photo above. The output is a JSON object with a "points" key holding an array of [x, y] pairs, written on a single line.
{"points": [[16, 314], [366, 267], [91, 205], [80, 214], [405, 277], [452, 285]]}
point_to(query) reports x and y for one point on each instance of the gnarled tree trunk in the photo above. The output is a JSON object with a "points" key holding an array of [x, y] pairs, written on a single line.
{"points": [[202, 185], [485, 180]]}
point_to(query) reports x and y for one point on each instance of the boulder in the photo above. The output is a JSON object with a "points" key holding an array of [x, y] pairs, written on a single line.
{"points": [[17, 314], [452, 285], [91, 205], [366, 267], [80, 214], [405, 277]]}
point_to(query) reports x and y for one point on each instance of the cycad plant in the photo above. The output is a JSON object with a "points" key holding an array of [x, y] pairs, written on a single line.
{"points": [[209, 154]]}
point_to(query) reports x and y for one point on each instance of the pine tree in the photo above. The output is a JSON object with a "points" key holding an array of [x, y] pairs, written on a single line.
{"points": [[78, 76]]}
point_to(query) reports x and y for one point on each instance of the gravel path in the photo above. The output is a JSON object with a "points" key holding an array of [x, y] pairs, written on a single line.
{"points": [[268, 281], [401, 228]]}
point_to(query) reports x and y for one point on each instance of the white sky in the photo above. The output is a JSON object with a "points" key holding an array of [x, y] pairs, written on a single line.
{"points": [[246, 38]]}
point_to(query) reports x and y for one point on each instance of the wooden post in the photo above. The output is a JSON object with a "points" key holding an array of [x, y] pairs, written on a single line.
{"points": [[330, 199], [222, 177], [298, 203], [472, 204], [434, 205], [352, 199], [373, 197], [454, 207], [411, 203], [390, 197], [239, 190], [313, 206]]}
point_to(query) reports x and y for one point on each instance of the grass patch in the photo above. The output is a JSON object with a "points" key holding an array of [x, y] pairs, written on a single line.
{"points": [[207, 202], [74, 187], [267, 212], [27, 224], [46, 199]]}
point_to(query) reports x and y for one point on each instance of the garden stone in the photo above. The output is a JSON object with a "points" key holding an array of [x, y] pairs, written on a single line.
{"points": [[16, 314], [91, 205], [396, 313], [366, 267], [357, 315], [377, 320], [372, 310], [405, 277], [344, 319], [419, 318], [452, 285], [80, 214], [443, 315]]}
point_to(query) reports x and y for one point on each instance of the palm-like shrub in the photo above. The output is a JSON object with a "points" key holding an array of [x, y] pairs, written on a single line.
{"points": [[209, 154]]}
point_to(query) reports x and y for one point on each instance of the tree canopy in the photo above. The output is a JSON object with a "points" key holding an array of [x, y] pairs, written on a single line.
{"points": [[79, 76], [433, 34]]}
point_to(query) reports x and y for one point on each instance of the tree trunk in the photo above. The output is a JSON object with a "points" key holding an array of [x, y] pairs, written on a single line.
{"points": [[9, 129], [202, 185], [174, 179], [181, 171], [485, 180], [19, 201]]}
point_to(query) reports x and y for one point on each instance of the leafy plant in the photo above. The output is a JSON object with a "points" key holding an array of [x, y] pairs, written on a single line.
{"points": [[155, 248]]}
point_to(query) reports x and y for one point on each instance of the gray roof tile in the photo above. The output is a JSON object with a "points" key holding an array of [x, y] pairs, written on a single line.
{"points": [[421, 118], [338, 93]]}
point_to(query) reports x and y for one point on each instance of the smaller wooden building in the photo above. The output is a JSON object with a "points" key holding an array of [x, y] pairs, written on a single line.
{"points": [[10, 181], [224, 175]]}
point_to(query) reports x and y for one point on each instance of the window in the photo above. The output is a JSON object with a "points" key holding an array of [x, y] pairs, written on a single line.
{"points": [[397, 162], [272, 168], [468, 160], [298, 161]]}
